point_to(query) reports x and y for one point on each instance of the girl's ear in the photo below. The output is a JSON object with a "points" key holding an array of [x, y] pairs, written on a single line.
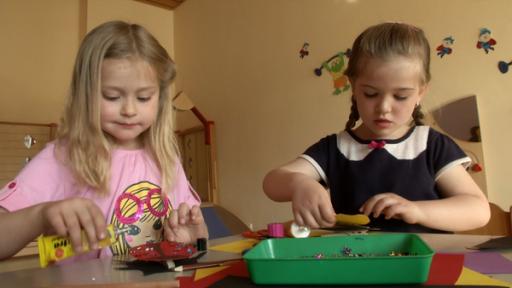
{"points": [[423, 91]]}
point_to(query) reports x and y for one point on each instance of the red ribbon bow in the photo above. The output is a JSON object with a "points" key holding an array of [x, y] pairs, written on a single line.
{"points": [[376, 145]]}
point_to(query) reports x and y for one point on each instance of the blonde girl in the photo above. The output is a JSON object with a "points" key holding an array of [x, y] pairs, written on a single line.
{"points": [[117, 133]]}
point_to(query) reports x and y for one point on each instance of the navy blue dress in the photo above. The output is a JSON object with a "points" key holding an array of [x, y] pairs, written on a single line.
{"points": [[353, 171]]}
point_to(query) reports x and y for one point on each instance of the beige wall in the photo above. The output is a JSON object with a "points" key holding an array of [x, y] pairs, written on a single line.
{"points": [[39, 43], [239, 63]]}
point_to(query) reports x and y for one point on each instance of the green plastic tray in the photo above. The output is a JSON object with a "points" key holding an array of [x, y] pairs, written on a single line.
{"points": [[370, 261]]}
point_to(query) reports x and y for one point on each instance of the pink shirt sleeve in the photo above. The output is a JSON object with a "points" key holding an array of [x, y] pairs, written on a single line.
{"points": [[182, 191], [43, 179]]}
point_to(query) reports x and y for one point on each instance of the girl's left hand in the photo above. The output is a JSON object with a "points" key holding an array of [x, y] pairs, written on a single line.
{"points": [[393, 206], [185, 225]]}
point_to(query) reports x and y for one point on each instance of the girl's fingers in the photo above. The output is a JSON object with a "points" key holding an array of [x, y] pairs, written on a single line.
{"points": [[298, 219], [183, 211], [73, 228], [328, 216], [89, 228]]}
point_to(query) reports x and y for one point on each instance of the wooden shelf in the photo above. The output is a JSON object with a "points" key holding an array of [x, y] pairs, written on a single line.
{"points": [[167, 4]]}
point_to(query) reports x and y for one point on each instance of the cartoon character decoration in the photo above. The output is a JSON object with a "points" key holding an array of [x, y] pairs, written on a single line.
{"points": [[446, 47], [304, 51], [140, 211], [485, 41], [336, 67]]}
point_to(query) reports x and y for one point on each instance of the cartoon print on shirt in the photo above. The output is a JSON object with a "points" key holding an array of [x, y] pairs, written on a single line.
{"points": [[142, 209]]}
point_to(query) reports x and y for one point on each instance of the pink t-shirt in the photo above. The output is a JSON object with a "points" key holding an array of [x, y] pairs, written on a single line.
{"points": [[134, 203]]}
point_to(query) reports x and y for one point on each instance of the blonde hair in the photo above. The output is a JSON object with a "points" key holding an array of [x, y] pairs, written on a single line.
{"points": [[87, 148], [384, 41]]}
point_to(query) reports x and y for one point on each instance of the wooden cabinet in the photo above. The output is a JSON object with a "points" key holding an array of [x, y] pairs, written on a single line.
{"points": [[20, 142]]}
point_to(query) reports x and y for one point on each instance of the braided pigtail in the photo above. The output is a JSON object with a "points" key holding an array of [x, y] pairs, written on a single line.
{"points": [[353, 117], [417, 115]]}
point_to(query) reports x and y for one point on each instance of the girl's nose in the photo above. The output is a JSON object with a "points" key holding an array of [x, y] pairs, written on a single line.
{"points": [[128, 109], [384, 105]]}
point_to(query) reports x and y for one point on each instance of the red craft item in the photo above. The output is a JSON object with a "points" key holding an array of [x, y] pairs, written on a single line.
{"points": [[163, 251], [259, 235]]}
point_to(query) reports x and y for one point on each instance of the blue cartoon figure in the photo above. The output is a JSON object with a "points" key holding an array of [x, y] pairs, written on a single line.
{"points": [[485, 41], [445, 48]]}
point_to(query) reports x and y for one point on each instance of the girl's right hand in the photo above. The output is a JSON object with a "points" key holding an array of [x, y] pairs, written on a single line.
{"points": [[70, 216], [311, 205]]}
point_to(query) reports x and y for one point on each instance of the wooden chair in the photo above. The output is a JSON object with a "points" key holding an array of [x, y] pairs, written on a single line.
{"points": [[499, 224]]}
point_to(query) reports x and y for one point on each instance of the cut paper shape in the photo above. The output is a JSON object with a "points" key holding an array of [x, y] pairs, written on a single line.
{"points": [[488, 263], [446, 47], [236, 246], [445, 269], [485, 41], [504, 242], [238, 269], [470, 277], [205, 272]]}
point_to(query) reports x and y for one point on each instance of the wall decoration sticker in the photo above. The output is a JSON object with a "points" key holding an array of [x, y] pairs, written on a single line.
{"points": [[446, 47], [503, 66], [336, 67], [304, 50], [485, 41]]}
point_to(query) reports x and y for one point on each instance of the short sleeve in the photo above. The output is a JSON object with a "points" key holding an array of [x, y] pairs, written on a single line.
{"points": [[43, 179], [319, 153], [444, 153], [182, 191]]}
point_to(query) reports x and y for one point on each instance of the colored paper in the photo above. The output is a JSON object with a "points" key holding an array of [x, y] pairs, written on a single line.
{"points": [[488, 263], [470, 277], [236, 246], [445, 269], [205, 272]]}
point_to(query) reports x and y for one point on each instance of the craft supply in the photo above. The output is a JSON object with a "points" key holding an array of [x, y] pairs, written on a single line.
{"points": [[345, 220], [275, 230], [55, 248], [396, 258], [204, 265]]}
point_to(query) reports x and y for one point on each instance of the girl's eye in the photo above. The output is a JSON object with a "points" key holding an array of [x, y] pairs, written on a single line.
{"points": [[400, 98], [370, 94], [110, 98], [143, 99]]}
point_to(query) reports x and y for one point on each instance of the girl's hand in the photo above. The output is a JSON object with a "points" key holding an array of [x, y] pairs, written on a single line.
{"points": [[311, 205], [393, 206], [185, 225], [70, 216]]}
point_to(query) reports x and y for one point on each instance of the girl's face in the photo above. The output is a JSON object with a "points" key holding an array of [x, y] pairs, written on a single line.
{"points": [[386, 92], [129, 100]]}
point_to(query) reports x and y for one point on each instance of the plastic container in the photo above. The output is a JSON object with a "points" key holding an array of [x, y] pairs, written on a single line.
{"points": [[356, 259]]}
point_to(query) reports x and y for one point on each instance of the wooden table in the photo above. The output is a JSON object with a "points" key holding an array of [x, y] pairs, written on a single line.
{"points": [[105, 272]]}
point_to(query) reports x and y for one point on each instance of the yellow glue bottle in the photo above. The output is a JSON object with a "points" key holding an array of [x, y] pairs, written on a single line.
{"points": [[55, 248]]}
